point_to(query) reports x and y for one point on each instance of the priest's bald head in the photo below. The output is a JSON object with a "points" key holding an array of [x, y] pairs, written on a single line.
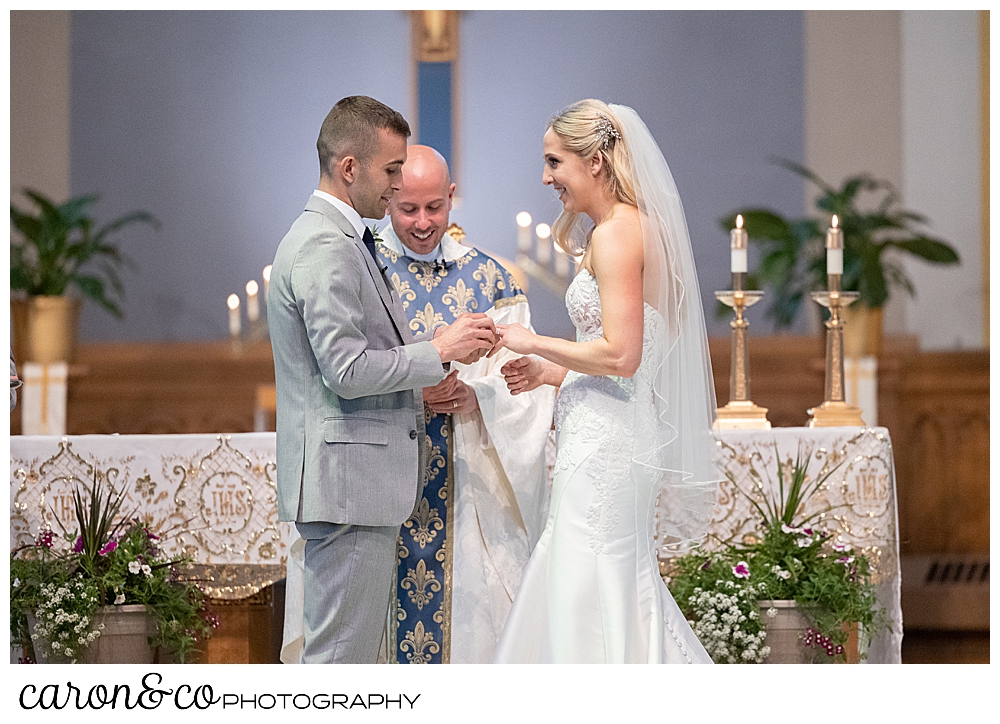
{"points": [[419, 211]]}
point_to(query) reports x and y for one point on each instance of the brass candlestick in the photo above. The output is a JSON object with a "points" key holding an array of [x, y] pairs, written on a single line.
{"points": [[835, 412], [740, 412]]}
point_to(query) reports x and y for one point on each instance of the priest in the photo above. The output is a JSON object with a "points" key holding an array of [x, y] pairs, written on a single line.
{"points": [[485, 497]]}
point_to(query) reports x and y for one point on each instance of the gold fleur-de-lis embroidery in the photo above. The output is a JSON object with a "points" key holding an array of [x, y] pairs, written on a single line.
{"points": [[424, 523], [491, 277], [406, 295], [428, 319], [464, 299], [388, 253], [402, 551], [426, 274], [422, 644], [420, 585], [465, 259], [435, 460]]}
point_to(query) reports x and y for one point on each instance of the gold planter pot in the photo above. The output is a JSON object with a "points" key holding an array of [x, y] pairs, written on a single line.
{"points": [[862, 331], [45, 328]]}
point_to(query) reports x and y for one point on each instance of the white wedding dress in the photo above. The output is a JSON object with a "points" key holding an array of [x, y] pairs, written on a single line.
{"points": [[591, 592]]}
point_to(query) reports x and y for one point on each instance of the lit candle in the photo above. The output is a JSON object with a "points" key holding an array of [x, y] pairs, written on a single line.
{"points": [[524, 232], [834, 248], [738, 248], [234, 315], [253, 308], [562, 263], [543, 232], [267, 281]]}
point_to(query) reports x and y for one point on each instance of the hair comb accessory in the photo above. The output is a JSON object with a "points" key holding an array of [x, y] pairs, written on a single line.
{"points": [[606, 131]]}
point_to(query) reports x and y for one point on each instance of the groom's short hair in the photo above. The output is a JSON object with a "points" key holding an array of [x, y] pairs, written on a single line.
{"points": [[351, 129]]}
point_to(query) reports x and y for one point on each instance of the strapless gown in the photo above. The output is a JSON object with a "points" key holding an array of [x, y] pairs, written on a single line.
{"points": [[591, 591]]}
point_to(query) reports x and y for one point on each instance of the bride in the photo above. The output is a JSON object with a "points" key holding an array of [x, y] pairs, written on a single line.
{"points": [[634, 411]]}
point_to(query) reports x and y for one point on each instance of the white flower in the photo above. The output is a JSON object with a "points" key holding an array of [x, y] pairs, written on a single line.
{"points": [[148, 571], [803, 542], [17, 583], [119, 599], [772, 612], [786, 529], [783, 574], [134, 567]]}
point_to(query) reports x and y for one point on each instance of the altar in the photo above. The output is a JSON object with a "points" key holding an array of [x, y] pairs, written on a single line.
{"points": [[216, 494]]}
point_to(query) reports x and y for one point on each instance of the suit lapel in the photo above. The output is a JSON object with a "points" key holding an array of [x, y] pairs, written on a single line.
{"points": [[392, 304]]}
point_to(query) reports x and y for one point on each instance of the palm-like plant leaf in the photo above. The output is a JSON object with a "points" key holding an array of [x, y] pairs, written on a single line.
{"points": [[792, 261], [59, 242]]}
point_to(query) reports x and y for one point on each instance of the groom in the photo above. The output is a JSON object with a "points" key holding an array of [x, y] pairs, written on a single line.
{"points": [[350, 429]]}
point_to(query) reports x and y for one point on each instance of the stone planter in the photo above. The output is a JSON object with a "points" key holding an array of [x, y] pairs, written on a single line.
{"points": [[124, 640], [45, 328], [784, 636]]}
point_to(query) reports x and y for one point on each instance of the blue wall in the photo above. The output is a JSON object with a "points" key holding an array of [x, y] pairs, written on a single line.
{"points": [[209, 120]]}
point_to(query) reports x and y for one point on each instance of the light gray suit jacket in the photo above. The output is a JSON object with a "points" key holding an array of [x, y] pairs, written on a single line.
{"points": [[350, 421]]}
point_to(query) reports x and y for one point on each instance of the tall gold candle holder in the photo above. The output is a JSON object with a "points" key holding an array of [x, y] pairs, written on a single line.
{"points": [[740, 412], [835, 412]]}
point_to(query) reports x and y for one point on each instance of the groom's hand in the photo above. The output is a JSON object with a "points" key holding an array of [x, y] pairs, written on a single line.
{"points": [[466, 340]]}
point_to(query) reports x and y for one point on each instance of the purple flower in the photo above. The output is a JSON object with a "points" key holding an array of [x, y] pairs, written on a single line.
{"points": [[151, 536], [807, 531], [708, 564], [840, 548], [845, 559], [78, 546], [108, 547], [741, 570], [44, 539]]}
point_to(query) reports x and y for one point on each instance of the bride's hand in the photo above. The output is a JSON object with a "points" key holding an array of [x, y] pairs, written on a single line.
{"points": [[524, 374], [515, 338]]}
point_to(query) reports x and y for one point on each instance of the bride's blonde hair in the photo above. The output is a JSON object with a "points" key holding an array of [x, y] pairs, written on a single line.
{"points": [[585, 128]]}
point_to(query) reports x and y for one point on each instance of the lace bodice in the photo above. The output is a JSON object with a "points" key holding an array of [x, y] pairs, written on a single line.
{"points": [[603, 410]]}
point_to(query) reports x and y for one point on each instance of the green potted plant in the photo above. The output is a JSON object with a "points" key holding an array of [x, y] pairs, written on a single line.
{"points": [[791, 577], [58, 246], [105, 593], [793, 255]]}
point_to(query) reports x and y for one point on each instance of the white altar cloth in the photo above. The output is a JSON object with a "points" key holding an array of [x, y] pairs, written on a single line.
{"points": [[217, 493], [212, 495]]}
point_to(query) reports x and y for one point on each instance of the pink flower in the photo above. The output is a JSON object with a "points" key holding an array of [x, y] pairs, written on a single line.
{"points": [[151, 536], [78, 546], [807, 531], [44, 539], [741, 570], [108, 547]]}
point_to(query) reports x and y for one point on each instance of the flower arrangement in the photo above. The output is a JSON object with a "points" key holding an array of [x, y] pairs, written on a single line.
{"points": [[793, 558], [111, 560]]}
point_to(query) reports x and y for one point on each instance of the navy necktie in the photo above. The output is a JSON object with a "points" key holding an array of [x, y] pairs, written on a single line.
{"points": [[369, 240]]}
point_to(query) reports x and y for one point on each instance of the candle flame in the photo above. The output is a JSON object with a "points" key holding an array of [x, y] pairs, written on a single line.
{"points": [[267, 273], [251, 287], [233, 302], [739, 221], [834, 221], [543, 231], [524, 219]]}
